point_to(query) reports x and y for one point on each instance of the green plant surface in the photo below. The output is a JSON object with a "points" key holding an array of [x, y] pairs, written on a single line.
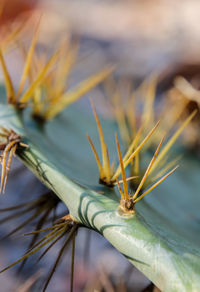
{"points": [[161, 239]]}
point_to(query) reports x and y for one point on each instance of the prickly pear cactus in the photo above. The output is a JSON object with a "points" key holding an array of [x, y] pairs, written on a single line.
{"points": [[158, 233]]}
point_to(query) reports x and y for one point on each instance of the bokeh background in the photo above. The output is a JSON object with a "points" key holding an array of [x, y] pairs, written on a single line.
{"points": [[140, 37]]}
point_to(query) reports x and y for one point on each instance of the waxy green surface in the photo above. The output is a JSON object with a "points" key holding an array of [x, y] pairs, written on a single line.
{"points": [[161, 239]]}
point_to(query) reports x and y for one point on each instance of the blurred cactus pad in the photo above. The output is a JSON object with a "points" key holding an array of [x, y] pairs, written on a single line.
{"points": [[161, 235]]}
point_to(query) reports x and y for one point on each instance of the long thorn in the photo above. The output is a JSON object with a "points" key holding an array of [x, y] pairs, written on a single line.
{"points": [[96, 157], [29, 254], [165, 169], [133, 144], [16, 207], [155, 185], [12, 151], [76, 93], [60, 234], [27, 95], [122, 169], [120, 190], [127, 179], [29, 59], [108, 170], [72, 262], [59, 257], [46, 229], [35, 236], [3, 171], [172, 140], [148, 169], [102, 141], [21, 225], [118, 171], [47, 237], [8, 82], [17, 214]]}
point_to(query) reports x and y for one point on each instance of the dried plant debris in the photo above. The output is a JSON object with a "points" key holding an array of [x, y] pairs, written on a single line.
{"points": [[66, 228], [47, 90], [10, 142]]}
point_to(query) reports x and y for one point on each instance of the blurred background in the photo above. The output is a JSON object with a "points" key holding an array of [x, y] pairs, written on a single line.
{"points": [[140, 37]]}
